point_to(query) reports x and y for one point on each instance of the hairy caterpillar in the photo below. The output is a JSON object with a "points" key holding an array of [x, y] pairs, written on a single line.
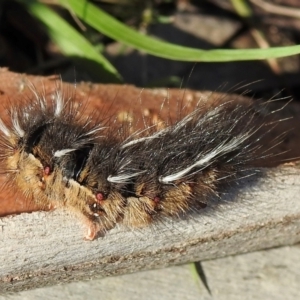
{"points": [[173, 170], [57, 155]]}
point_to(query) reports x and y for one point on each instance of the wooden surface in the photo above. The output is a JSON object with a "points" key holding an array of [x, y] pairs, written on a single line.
{"points": [[46, 248], [272, 274]]}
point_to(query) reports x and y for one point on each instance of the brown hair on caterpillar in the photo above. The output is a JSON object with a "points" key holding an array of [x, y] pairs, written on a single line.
{"points": [[183, 166], [106, 200], [94, 192], [39, 132], [19, 137], [103, 202]]}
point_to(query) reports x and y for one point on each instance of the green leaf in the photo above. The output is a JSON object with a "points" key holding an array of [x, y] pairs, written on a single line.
{"points": [[111, 27], [72, 43]]}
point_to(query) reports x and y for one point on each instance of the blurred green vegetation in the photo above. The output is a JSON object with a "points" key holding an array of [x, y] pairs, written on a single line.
{"points": [[83, 50]]}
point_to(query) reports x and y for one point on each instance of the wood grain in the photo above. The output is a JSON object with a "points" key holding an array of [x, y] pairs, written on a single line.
{"points": [[267, 274]]}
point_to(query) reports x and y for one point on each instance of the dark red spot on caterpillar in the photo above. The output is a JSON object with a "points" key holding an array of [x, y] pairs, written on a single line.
{"points": [[156, 199], [47, 170], [100, 197]]}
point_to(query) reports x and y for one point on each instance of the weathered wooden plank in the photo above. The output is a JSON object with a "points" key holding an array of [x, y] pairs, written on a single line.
{"points": [[269, 274], [45, 248]]}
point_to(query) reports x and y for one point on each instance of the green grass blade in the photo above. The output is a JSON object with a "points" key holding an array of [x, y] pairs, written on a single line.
{"points": [[73, 43], [242, 8], [111, 27]]}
